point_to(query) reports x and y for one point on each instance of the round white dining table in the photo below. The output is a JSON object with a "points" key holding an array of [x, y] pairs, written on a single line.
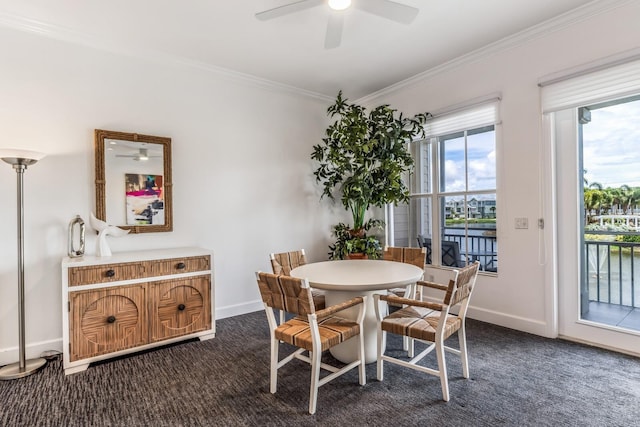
{"points": [[346, 279]]}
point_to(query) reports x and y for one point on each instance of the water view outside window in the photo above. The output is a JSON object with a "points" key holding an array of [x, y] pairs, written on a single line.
{"points": [[458, 202], [610, 149]]}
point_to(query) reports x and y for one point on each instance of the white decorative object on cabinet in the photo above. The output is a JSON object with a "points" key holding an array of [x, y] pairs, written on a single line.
{"points": [[104, 230], [133, 301]]}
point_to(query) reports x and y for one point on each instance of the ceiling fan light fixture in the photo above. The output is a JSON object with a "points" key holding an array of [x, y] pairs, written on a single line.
{"points": [[143, 155], [339, 4]]}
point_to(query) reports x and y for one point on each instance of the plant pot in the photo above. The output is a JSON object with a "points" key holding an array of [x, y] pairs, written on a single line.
{"points": [[357, 255]]}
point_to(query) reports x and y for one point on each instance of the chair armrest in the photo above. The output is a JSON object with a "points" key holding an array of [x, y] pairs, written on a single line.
{"points": [[412, 302], [339, 307], [432, 285]]}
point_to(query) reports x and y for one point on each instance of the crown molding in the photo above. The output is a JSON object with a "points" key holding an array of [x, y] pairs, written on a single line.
{"points": [[594, 8], [40, 28], [560, 22]]}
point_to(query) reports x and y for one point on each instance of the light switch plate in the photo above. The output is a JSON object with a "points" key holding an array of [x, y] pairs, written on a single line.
{"points": [[522, 223]]}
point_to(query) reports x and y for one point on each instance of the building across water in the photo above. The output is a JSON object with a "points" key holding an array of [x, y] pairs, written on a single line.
{"points": [[631, 221]]}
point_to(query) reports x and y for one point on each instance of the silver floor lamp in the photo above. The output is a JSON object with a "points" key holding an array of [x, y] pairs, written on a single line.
{"points": [[20, 159]]}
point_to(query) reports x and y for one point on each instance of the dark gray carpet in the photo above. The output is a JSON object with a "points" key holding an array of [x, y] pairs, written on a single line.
{"points": [[517, 379]]}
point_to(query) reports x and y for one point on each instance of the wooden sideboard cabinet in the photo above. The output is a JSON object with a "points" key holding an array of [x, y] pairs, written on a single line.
{"points": [[133, 301]]}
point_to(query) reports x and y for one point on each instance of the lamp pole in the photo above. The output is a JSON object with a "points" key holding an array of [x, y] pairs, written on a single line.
{"points": [[23, 367]]}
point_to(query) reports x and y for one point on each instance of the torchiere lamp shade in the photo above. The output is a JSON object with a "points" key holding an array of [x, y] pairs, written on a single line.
{"points": [[15, 156]]}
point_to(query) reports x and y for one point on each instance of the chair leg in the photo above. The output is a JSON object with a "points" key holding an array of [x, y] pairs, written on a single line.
{"points": [[315, 379], [281, 317], [409, 346], [442, 368], [380, 352], [462, 338], [274, 365], [362, 368]]}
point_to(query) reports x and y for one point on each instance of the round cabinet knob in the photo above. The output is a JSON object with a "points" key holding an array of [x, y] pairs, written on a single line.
{"points": [[111, 319], [181, 307], [110, 273], [181, 266]]}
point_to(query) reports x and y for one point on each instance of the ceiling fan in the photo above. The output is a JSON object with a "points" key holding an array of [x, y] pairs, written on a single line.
{"points": [[384, 8], [141, 155]]}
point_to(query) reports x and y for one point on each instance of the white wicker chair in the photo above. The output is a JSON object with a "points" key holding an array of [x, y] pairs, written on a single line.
{"points": [[311, 330], [429, 322]]}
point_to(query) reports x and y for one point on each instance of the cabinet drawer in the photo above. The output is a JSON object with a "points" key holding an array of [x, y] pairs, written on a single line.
{"points": [[107, 273], [180, 265]]}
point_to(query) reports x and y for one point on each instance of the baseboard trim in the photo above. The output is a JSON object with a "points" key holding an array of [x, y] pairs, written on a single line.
{"points": [[603, 346], [32, 351], [239, 309], [519, 323], [524, 324]]}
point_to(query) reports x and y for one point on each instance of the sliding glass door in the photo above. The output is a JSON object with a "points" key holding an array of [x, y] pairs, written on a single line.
{"points": [[598, 248], [609, 144]]}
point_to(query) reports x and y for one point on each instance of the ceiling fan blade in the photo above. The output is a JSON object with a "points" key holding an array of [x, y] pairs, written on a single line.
{"points": [[279, 11], [388, 9], [334, 30]]}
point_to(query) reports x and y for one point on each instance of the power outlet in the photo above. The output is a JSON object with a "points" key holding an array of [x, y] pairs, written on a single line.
{"points": [[522, 223]]}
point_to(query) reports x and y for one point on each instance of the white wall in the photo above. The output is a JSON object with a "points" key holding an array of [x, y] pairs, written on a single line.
{"points": [[522, 296], [242, 174]]}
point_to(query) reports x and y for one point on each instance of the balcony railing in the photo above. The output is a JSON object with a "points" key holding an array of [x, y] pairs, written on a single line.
{"points": [[479, 244], [612, 269]]}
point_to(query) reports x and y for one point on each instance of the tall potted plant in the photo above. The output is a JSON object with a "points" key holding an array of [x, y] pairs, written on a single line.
{"points": [[362, 159]]}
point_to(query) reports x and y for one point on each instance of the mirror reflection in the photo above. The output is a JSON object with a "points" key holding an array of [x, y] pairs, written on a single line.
{"points": [[133, 181]]}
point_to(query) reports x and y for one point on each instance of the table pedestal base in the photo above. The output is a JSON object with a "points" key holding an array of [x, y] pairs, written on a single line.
{"points": [[348, 351]]}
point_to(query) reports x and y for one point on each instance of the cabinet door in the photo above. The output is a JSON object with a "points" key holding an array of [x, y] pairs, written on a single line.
{"points": [[107, 320], [180, 307]]}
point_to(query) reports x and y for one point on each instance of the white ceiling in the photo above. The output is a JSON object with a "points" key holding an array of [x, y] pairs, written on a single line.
{"points": [[224, 34]]}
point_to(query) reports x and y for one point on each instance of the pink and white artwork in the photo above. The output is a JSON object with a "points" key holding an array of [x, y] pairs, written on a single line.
{"points": [[144, 199]]}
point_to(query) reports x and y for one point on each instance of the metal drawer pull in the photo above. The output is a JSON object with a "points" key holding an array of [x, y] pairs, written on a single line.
{"points": [[110, 273], [111, 319], [181, 265], [181, 307]]}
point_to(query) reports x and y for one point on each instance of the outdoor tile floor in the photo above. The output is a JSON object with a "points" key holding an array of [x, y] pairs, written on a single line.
{"points": [[614, 315]]}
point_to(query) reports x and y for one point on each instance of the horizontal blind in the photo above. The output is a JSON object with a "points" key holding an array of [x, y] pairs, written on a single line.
{"points": [[475, 116], [603, 85]]}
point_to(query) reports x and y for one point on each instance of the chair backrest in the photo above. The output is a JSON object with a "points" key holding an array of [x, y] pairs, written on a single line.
{"points": [[461, 286], [415, 256], [450, 251], [393, 253], [284, 262], [451, 254], [286, 293]]}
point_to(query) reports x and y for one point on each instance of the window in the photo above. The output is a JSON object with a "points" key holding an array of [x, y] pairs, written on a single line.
{"points": [[453, 191]]}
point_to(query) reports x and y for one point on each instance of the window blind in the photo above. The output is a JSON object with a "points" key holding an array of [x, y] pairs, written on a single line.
{"points": [[602, 85], [475, 116]]}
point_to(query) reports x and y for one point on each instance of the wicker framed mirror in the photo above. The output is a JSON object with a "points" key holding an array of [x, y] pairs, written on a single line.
{"points": [[133, 181]]}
